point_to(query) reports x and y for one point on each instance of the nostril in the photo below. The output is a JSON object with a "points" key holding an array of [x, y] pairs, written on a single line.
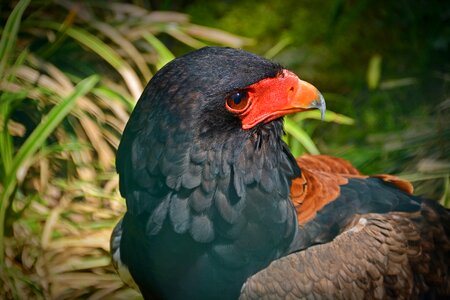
{"points": [[291, 89]]}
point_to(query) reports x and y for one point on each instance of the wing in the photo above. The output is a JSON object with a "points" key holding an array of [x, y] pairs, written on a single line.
{"points": [[398, 255], [321, 181], [330, 191]]}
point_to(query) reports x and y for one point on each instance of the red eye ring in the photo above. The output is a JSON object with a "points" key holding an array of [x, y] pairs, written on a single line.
{"points": [[238, 101]]}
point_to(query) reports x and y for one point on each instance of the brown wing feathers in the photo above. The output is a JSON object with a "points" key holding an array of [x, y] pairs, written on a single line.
{"points": [[319, 183], [378, 256]]}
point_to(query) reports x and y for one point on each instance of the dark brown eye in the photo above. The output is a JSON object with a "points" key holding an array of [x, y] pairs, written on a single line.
{"points": [[238, 101]]}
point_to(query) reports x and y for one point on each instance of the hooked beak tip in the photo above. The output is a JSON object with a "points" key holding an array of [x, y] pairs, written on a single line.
{"points": [[320, 105]]}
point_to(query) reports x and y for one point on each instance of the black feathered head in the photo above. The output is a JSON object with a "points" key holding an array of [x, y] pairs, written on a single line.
{"points": [[211, 114]]}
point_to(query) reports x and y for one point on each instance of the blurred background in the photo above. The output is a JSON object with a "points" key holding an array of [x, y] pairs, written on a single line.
{"points": [[71, 71]]}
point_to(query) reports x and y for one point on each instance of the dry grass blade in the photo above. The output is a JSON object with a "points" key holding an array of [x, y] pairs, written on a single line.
{"points": [[95, 240], [183, 37], [76, 263], [217, 36], [125, 10], [106, 156], [165, 17]]}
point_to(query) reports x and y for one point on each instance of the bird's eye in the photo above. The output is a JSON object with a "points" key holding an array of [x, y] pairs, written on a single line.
{"points": [[237, 101]]}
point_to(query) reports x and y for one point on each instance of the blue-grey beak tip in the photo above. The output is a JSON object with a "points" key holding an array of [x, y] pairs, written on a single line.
{"points": [[320, 105]]}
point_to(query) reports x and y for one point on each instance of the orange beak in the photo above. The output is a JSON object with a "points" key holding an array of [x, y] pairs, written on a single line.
{"points": [[272, 98]]}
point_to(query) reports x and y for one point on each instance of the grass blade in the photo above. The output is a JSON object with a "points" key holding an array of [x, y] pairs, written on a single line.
{"points": [[217, 36], [282, 44], [300, 135], [330, 116], [164, 54], [374, 72], [445, 199], [9, 33]]}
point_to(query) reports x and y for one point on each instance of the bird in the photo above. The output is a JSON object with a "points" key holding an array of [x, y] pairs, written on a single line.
{"points": [[219, 208]]}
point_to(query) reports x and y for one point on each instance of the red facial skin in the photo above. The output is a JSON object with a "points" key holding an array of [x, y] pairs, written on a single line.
{"points": [[272, 98]]}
